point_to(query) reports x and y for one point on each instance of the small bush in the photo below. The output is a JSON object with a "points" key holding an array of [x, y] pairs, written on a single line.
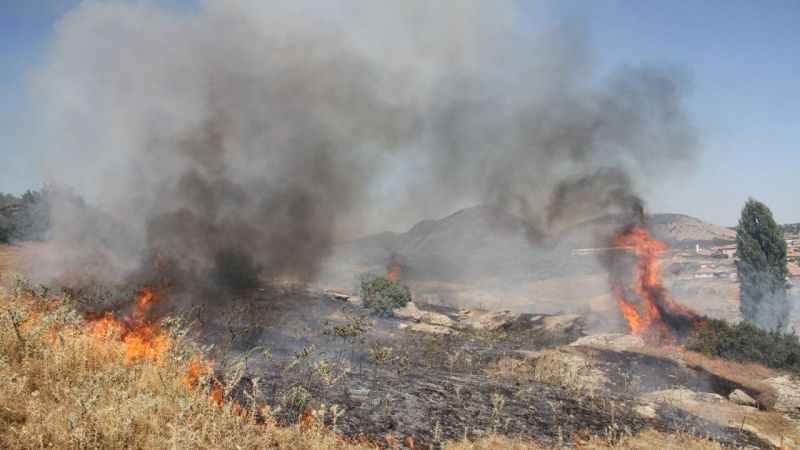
{"points": [[382, 295], [746, 342]]}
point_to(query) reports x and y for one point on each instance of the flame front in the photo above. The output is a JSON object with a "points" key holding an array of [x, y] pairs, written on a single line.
{"points": [[393, 273], [144, 301], [142, 340], [646, 317]]}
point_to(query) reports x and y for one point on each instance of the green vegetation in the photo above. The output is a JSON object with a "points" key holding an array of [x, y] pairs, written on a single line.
{"points": [[26, 217], [762, 268], [382, 295], [746, 342]]}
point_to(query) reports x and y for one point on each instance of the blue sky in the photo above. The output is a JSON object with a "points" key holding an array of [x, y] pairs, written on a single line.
{"points": [[743, 59], [744, 62]]}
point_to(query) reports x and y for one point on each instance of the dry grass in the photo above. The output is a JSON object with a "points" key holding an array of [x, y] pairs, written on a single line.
{"points": [[9, 257], [768, 425], [747, 374], [558, 367], [646, 440], [494, 442], [65, 387], [652, 439]]}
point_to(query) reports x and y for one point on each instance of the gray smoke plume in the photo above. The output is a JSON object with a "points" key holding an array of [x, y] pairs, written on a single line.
{"points": [[594, 195], [241, 140]]}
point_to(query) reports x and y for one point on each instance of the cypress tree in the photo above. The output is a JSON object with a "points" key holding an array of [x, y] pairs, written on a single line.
{"points": [[761, 268]]}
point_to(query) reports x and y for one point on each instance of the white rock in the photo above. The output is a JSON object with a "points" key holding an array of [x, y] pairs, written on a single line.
{"points": [[646, 411], [412, 312], [612, 341], [338, 295], [487, 320], [787, 391], [426, 328], [740, 397], [679, 397], [408, 312], [435, 318], [560, 322]]}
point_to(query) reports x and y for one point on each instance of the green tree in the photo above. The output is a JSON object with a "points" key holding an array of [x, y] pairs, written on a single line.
{"points": [[7, 203], [761, 268]]}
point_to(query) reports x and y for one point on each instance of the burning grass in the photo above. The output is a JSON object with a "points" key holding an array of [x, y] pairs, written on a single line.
{"points": [[67, 385], [129, 381]]}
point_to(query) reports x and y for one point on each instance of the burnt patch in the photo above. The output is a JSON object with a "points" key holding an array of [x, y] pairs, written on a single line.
{"points": [[641, 373]]}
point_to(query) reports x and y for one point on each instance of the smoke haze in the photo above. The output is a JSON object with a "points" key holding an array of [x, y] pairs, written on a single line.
{"points": [[245, 138]]}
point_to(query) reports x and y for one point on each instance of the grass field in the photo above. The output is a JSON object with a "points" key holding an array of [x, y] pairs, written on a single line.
{"points": [[70, 383]]}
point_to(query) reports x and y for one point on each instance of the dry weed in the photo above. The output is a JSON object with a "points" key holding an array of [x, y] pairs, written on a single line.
{"points": [[749, 375], [646, 440], [554, 367], [64, 387]]}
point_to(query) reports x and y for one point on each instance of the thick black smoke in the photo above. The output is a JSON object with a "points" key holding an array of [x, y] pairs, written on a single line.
{"points": [[239, 141], [606, 191]]}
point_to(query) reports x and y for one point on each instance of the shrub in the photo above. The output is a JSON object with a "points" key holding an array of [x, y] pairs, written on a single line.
{"points": [[382, 295], [746, 342], [762, 269]]}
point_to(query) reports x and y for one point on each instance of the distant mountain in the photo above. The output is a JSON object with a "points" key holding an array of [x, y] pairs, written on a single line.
{"points": [[477, 241], [684, 230], [484, 240]]}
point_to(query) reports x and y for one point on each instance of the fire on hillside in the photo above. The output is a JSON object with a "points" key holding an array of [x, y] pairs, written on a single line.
{"points": [[642, 298]]}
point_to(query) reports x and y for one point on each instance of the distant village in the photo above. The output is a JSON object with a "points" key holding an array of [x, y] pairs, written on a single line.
{"points": [[719, 261], [704, 261]]}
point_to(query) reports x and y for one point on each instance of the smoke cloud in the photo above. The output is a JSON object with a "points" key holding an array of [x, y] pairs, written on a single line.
{"points": [[241, 140]]}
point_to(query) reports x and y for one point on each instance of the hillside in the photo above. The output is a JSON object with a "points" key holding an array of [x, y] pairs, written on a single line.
{"points": [[481, 240], [683, 229], [487, 240]]}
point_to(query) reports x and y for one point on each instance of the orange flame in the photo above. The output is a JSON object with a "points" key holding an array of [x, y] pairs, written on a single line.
{"points": [[197, 368], [144, 302], [645, 317], [146, 342], [217, 393], [141, 340], [394, 272]]}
